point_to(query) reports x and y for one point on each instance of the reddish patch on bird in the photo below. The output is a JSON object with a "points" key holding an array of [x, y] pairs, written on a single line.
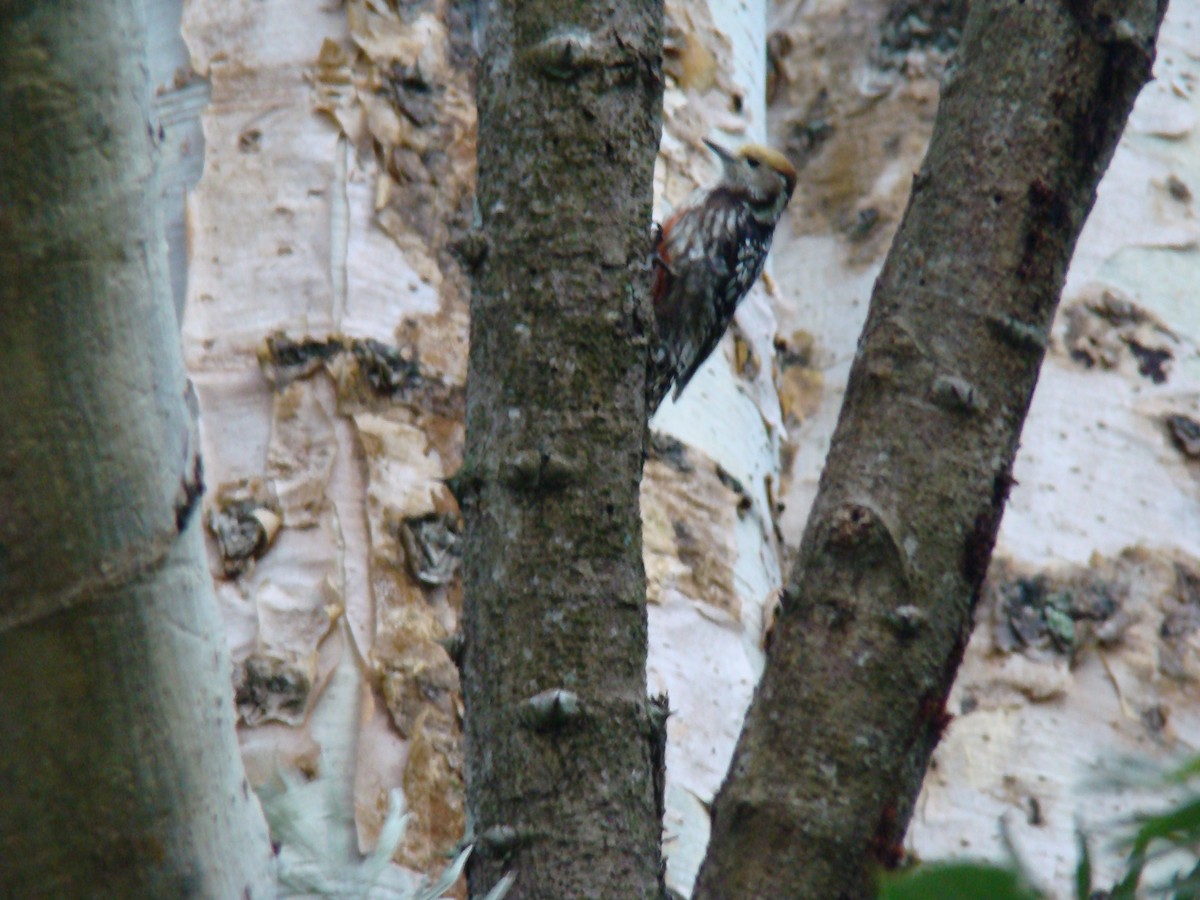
{"points": [[662, 263]]}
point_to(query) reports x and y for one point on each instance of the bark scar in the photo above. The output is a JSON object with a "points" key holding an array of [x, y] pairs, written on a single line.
{"points": [[133, 564], [862, 528], [191, 489], [570, 53]]}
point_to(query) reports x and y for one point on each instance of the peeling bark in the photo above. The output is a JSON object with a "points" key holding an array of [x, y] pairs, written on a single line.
{"points": [[117, 753], [880, 604], [560, 737]]}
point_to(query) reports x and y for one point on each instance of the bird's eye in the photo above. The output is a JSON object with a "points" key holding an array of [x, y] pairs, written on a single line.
{"points": [[752, 162]]}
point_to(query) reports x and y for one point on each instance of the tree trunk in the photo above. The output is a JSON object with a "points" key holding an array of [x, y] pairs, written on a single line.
{"points": [[117, 748], [560, 738], [879, 606]]}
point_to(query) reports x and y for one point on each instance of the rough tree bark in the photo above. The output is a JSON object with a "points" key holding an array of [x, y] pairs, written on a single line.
{"points": [[560, 736], [878, 609], [117, 754]]}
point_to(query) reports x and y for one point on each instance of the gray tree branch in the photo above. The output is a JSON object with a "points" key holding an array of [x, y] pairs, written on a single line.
{"points": [[879, 607]]}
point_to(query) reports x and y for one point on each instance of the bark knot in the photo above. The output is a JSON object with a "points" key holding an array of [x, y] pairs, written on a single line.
{"points": [[957, 394], [570, 53], [539, 472], [552, 710], [908, 620]]}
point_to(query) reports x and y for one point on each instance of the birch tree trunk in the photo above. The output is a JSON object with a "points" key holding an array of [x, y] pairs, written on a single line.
{"points": [[331, 127], [561, 740], [326, 331], [878, 610], [121, 772]]}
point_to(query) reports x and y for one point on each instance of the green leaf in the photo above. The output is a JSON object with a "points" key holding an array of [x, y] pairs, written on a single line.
{"points": [[1186, 772], [1083, 871], [956, 881], [1179, 825]]}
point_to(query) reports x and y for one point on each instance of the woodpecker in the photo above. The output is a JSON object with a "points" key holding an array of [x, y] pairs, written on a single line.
{"points": [[709, 253]]}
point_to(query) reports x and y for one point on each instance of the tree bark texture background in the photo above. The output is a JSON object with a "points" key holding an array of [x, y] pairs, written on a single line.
{"points": [[878, 610], [294, 231], [339, 148], [326, 332], [117, 749], [561, 739]]}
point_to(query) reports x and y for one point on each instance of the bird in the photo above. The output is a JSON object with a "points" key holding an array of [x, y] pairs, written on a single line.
{"points": [[707, 256]]}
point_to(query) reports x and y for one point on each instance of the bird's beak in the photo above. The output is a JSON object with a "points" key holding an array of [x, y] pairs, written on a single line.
{"points": [[724, 155]]}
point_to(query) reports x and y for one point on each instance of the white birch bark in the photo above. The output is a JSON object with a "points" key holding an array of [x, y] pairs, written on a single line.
{"points": [[293, 228], [708, 495], [322, 219]]}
